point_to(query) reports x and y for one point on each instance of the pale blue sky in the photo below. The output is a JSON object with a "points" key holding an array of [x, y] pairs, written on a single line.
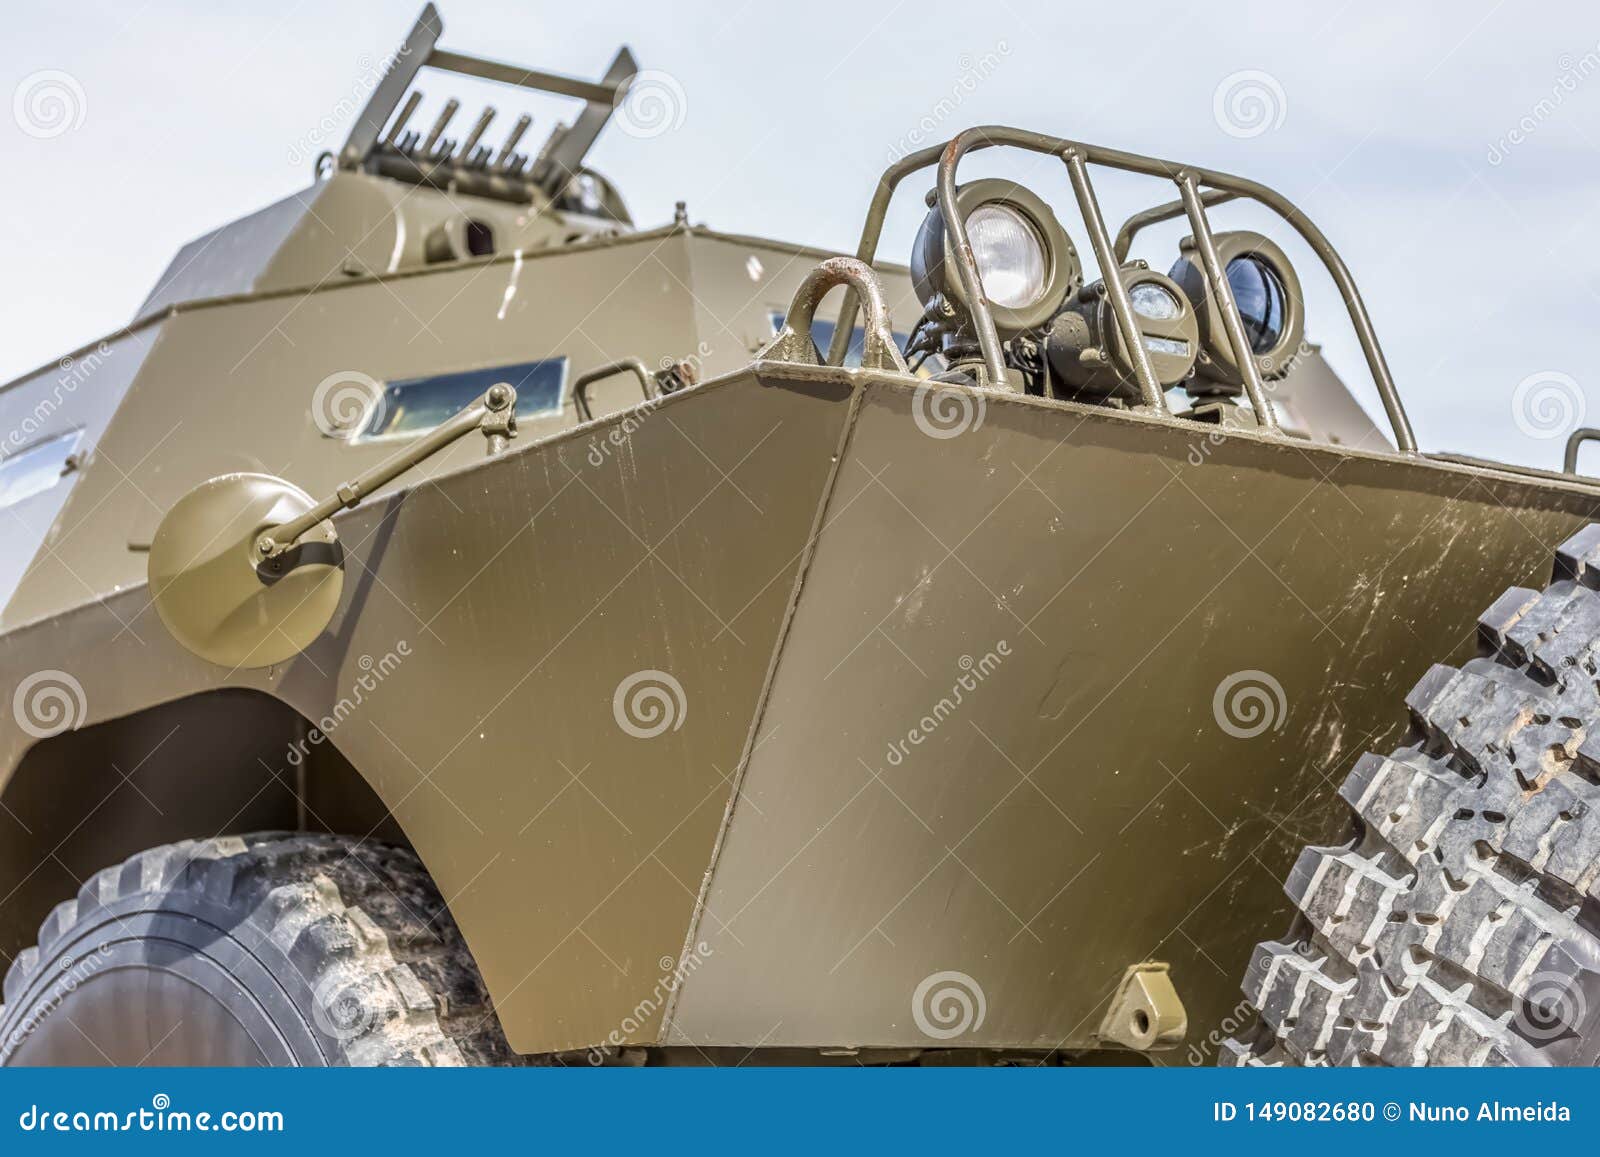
{"points": [[1390, 124]]}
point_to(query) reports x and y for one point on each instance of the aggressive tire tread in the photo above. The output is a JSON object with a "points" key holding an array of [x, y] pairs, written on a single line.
{"points": [[362, 923], [1458, 924]]}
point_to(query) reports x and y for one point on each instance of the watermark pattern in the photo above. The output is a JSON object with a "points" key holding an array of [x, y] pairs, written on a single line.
{"points": [[948, 1004], [72, 974], [692, 369], [1571, 73], [332, 124], [947, 411], [973, 674], [373, 673], [1548, 404], [1553, 1006], [49, 104], [346, 402], [973, 72], [1200, 449], [672, 374], [47, 703], [653, 104], [1249, 703], [1204, 1051], [1289, 365], [160, 1117], [649, 703], [1249, 103], [643, 1014], [601, 449], [74, 372], [343, 1008]]}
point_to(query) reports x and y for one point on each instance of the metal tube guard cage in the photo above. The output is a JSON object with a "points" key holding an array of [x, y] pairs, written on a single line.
{"points": [[1198, 188], [1569, 460]]}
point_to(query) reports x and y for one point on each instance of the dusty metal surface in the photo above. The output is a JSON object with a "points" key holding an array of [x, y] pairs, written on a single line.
{"points": [[567, 579], [253, 384], [1098, 577], [1077, 558], [809, 709]]}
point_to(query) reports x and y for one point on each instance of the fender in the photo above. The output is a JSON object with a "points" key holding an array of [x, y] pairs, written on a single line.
{"points": [[639, 718]]}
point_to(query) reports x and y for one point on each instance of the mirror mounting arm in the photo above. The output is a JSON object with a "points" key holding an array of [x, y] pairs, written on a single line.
{"points": [[494, 415]]}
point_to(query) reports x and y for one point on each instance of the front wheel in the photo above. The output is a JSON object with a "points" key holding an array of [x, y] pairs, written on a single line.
{"points": [[1458, 926], [265, 949]]}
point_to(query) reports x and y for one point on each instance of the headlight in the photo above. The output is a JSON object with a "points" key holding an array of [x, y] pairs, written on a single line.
{"points": [[1267, 292], [1259, 294], [1010, 255], [1026, 263], [1086, 351]]}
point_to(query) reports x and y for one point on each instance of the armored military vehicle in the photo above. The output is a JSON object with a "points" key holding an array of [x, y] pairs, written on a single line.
{"points": [[771, 681]]}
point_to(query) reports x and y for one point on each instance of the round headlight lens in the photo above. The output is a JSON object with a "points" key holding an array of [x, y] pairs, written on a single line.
{"points": [[1259, 293], [1152, 301], [1010, 255]]}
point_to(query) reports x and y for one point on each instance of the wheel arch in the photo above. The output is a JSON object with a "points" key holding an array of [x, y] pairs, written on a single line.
{"points": [[216, 762]]}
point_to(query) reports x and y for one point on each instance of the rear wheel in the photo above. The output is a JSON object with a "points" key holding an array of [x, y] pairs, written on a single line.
{"points": [[1459, 924], [266, 949]]}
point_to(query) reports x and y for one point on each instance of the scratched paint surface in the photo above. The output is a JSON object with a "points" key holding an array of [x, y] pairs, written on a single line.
{"points": [[1080, 808]]}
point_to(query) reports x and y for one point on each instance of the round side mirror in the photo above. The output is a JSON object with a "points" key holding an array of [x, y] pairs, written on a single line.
{"points": [[218, 598]]}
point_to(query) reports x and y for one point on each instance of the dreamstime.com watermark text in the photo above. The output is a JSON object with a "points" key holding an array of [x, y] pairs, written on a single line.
{"points": [[160, 1117], [74, 372], [644, 1014], [373, 673], [973, 673]]}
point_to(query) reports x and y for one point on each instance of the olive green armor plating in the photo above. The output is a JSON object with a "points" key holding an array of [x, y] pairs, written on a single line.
{"points": [[814, 654]]}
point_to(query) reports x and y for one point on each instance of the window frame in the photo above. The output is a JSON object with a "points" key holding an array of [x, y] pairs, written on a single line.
{"points": [[362, 437], [11, 461]]}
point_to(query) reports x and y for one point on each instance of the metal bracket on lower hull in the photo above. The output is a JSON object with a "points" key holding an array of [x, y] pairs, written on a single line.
{"points": [[1146, 1013]]}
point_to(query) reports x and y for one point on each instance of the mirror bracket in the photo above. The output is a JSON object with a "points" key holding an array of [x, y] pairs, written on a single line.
{"points": [[494, 415]]}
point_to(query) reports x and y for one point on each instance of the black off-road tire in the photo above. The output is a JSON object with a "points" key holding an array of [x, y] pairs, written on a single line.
{"points": [[273, 948], [1459, 925]]}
